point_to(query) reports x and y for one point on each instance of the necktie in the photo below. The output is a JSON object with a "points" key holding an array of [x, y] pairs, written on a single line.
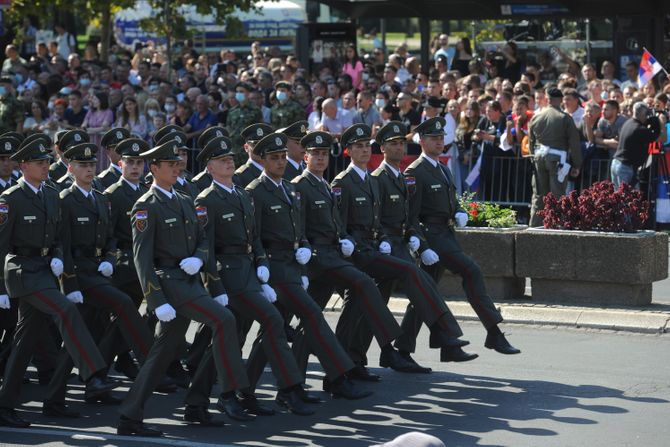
{"points": [[40, 195], [91, 199], [281, 186]]}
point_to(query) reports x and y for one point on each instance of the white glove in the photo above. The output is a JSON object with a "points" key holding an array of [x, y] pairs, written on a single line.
{"points": [[305, 282], [385, 248], [461, 219], [56, 267], [347, 247], [303, 255], [429, 257], [191, 265], [269, 293], [106, 269], [414, 243], [4, 302], [75, 297], [165, 312], [222, 299], [263, 274]]}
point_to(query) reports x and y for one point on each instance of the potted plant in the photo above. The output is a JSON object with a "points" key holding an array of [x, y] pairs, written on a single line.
{"points": [[489, 240], [592, 250]]}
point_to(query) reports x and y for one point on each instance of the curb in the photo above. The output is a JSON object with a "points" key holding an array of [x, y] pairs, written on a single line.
{"points": [[635, 320]]}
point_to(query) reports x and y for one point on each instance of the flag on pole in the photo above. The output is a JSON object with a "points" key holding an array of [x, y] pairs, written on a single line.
{"points": [[649, 66]]}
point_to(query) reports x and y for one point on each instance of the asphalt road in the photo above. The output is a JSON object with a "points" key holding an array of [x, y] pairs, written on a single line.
{"points": [[567, 388]]}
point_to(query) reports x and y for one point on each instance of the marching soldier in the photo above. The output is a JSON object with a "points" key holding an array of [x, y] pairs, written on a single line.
{"points": [[254, 165], [29, 230], [183, 184], [226, 212], [59, 167], [109, 141], [278, 224], [241, 116], [359, 202], [295, 156], [203, 179], [286, 111], [170, 248], [69, 139], [328, 269], [435, 208], [89, 254]]}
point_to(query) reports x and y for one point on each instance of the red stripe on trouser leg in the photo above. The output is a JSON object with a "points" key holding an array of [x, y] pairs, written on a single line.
{"points": [[315, 327], [266, 323], [222, 352], [366, 303], [70, 330], [121, 313]]}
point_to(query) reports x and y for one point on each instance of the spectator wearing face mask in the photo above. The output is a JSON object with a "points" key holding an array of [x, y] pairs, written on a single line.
{"points": [[151, 109], [286, 111]]}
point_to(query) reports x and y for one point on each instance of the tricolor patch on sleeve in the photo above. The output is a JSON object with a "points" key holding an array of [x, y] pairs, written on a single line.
{"points": [[4, 213], [337, 191], [410, 181], [141, 217], [201, 212], [141, 214]]}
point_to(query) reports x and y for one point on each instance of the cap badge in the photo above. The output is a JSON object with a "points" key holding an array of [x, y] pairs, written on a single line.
{"points": [[219, 133], [42, 148], [359, 132], [119, 135], [135, 147], [438, 125], [77, 137], [87, 152], [302, 129], [396, 129], [319, 139], [278, 141], [224, 145], [259, 132], [8, 146]]}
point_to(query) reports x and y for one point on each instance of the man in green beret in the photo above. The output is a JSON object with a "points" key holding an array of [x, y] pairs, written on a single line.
{"points": [[295, 156], [170, 249], [30, 245], [434, 209], [241, 116], [109, 141], [279, 227], [254, 164], [286, 111]]}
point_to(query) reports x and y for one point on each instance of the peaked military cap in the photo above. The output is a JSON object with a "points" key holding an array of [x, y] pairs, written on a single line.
{"points": [[16, 135], [432, 126], [36, 150], [165, 130], [283, 84], [8, 145], [178, 136], [37, 137], [296, 130], [256, 132], [355, 133], [217, 147], [58, 136], [132, 147], [433, 102], [114, 136], [168, 151], [210, 133], [274, 142], [82, 152], [317, 140], [393, 130], [72, 137]]}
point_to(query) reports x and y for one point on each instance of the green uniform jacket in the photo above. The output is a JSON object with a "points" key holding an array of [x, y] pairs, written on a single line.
{"points": [[555, 128], [166, 231], [86, 235], [283, 115], [291, 172], [57, 170], [240, 117], [202, 180], [245, 174], [12, 113], [108, 177], [122, 197], [359, 206], [278, 223], [187, 188], [28, 223], [228, 220]]}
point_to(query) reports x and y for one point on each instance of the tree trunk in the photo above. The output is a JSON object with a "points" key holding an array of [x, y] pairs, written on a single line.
{"points": [[105, 31]]}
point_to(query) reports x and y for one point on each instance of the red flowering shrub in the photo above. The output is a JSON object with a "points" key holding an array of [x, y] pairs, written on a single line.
{"points": [[598, 208]]}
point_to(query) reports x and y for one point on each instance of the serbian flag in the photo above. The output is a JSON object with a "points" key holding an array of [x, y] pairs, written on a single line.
{"points": [[649, 66]]}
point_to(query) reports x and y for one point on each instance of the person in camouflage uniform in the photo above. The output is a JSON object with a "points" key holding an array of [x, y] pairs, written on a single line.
{"points": [[241, 116], [11, 109], [286, 111]]}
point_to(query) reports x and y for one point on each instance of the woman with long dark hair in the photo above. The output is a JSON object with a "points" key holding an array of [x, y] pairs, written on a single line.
{"points": [[463, 56], [132, 119], [97, 121], [353, 67], [468, 148]]}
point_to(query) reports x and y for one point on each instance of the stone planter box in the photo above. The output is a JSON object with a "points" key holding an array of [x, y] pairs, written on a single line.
{"points": [[493, 249], [592, 268]]}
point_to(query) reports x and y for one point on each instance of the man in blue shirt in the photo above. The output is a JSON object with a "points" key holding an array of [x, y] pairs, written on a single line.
{"points": [[201, 119]]}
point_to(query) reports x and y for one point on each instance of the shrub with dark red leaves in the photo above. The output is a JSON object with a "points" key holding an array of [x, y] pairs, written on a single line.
{"points": [[598, 208]]}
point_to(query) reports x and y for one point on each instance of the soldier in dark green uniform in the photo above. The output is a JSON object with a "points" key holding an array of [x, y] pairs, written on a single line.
{"points": [[170, 249], [435, 208], [226, 213], [203, 179], [29, 231], [11, 109], [286, 111], [183, 184], [89, 254], [109, 141], [254, 165], [359, 202], [296, 153], [69, 139], [59, 167], [395, 192], [328, 269], [241, 116], [278, 224]]}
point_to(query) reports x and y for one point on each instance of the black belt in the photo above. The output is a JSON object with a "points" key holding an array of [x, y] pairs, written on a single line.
{"points": [[233, 250], [323, 241], [30, 251], [166, 263], [87, 252], [395, 232], [281, 246], [365, 234], [438, 220]]}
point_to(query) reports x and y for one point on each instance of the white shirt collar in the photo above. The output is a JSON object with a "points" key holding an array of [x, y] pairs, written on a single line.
{"points": [[255, 163], [5, 183], [135, 187], [296, 165], [394, 170], [269, 178], [181, 180], [35, 190], [432, 162], [118, 169], [359, 171], [316, 177], [83, 191], [169, 194], [229, 190]]}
